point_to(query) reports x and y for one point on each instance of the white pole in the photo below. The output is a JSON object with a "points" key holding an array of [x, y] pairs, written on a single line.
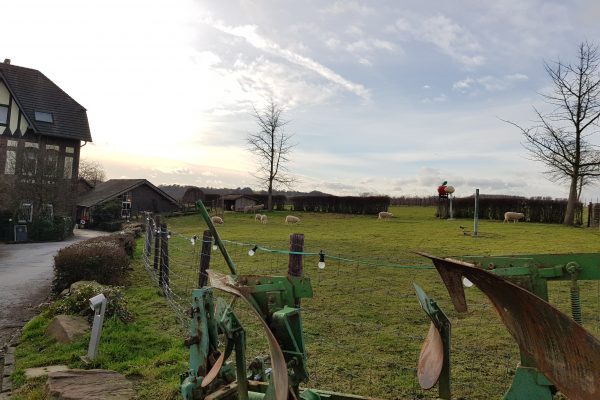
{"points": [[98, 304]]}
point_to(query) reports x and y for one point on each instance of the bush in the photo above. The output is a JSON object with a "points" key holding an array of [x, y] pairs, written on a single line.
{"points": [[51, 229], [104, 261], [76, 302], [343, 205], [108, 226]]}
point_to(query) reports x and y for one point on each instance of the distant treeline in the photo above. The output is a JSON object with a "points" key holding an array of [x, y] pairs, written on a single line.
{"points": [[341, 204]]}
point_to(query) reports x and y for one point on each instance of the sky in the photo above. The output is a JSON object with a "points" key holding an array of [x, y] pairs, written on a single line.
{"points": [[382, 97]]}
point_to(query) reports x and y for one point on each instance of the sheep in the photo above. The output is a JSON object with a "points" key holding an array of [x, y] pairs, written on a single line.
{"points": [[264, 219], [385, 215], [290, 219], [513, 216], [257, 217], [217, 220]]}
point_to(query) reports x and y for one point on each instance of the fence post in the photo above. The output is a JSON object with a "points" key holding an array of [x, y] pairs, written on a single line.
{"points": [[164, 257], [295, 260], [204, 258], [156, 242], [476, 216], [590, 210], [148, 242]]}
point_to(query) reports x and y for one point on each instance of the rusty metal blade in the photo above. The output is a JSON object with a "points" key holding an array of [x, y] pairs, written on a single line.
{"points": [[431, 359], [214, 371], [278, 365], [567, 354], [453, 282]]}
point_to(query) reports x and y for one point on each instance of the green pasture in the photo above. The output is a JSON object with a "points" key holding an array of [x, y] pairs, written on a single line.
{"points": [[363, 327]]}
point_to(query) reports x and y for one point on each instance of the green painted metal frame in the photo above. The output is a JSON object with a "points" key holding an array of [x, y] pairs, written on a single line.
{"points": [[443, 325]]}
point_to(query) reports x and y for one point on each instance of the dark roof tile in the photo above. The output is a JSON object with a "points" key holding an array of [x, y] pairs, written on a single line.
{"points": [[35, 92]]}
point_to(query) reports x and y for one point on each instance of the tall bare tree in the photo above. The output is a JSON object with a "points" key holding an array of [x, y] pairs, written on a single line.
{"points": [[271, 145], [561, 138], [91, 171]]}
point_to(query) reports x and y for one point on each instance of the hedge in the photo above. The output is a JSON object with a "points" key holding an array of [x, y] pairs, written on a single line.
{"points": [[103, 259], [342, 205], [535, 209]]}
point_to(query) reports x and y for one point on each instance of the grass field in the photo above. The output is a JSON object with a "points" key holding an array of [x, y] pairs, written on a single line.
{"points": [[364, 327]]}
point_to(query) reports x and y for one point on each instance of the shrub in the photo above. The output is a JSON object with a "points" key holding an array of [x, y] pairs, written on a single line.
{"points": [[108, 226], [104, 261], [51, 229], [76, 302], [343, 204]]}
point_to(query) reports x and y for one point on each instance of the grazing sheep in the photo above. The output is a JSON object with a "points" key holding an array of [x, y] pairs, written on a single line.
{"points": [[217, 220], [513, 216], [290, 219], [385, 215], [264, 219], [257, 217]]}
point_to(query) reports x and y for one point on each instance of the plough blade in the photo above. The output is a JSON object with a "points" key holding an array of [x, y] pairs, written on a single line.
{"points": [[567, 354]]}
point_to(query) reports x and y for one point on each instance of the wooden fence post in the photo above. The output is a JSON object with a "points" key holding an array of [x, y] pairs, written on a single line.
{"points": [[156, 242], [204, 258], [148, 242], [164, 257], [590, 211], [295, 260]]}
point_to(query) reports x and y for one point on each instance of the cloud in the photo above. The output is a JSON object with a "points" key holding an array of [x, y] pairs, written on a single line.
{"points": [[488, 83], [442, 98], [249, 34], [343, 7], [451, 38], [365, 61]]}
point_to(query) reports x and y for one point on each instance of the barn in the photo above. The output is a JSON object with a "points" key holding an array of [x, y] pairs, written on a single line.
{"points": [[124, 198], [237, 202]]}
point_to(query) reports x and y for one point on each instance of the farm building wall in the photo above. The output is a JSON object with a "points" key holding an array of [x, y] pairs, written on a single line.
{"points": [[144, 198]]}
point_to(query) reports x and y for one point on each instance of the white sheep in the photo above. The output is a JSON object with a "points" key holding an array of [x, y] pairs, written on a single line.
{"points": [[257, 217], [217, 220], [290, 219], [513, 216], [264, 219], [385, 215]]}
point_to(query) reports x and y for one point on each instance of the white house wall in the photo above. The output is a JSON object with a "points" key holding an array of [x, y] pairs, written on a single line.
{"points": [[17, 120]]}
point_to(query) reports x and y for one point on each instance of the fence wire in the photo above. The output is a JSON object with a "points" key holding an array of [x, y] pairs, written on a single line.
{"points": [[364, 317]]}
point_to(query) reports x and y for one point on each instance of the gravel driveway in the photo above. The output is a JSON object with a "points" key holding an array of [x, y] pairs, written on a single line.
{"points": [[25, 279]]}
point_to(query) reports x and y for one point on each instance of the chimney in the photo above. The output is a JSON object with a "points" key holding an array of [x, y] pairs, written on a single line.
{"points": [[7, 61]]}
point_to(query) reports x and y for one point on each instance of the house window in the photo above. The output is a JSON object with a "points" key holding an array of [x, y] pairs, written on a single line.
{"points": [[11, 157], [43, 116], [25, 213], [51, 166], [68, 167], [30, 158], [125, 209], [69, 150], [3, 115], [47, 211]]}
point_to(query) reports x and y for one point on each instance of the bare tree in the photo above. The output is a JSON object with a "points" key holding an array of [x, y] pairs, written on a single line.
{"points": [[560, 139], [91, 171], [272, 146]]}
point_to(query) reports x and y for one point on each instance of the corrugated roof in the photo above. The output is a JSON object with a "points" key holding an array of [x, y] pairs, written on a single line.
{"points": [[33, 92], [112, 188]]}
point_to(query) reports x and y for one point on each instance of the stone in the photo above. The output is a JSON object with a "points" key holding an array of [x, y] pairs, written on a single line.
{"points": [[78, 284], [67, 328], [93, 384], [41, 371]]}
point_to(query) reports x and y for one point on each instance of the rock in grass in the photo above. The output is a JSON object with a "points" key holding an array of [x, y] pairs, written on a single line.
{"points": [[93, 384], [67, 328]]}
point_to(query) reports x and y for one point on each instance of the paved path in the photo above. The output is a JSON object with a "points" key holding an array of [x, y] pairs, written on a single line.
{"points": [[25, 279]]}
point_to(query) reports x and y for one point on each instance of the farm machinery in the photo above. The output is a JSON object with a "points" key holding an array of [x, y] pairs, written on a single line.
{"points": [[556, 352]]}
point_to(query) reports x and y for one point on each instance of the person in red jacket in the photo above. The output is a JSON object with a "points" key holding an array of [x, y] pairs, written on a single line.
{"points": [[442, 190]]}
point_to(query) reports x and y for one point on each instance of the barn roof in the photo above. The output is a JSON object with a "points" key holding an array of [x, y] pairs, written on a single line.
{"points": [[113, 188], [33, 91]]}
